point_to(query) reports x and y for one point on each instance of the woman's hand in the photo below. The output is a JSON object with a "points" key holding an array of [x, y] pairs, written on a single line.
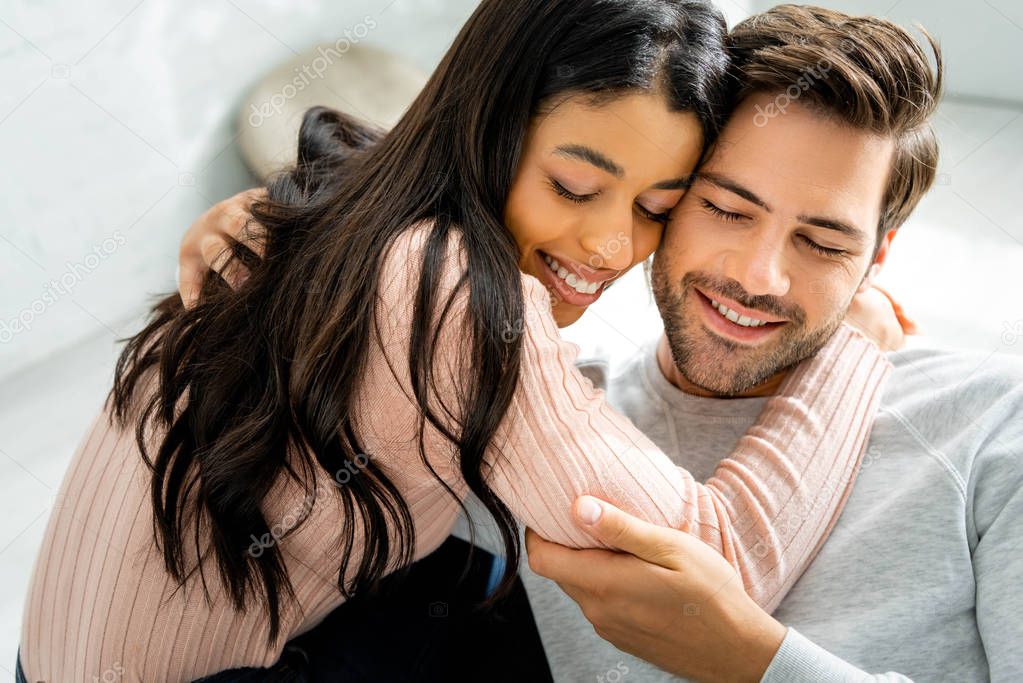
{"points": [[875, 314], [668, 598], [206, 246]]}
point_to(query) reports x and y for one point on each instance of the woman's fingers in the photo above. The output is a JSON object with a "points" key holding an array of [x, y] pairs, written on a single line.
{"points": [[240, 224], [909, 326], [189, 279], [216, 252], [872, 313]]}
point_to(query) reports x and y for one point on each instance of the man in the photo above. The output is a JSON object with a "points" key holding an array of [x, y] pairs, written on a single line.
{"points": [[826, 155]]}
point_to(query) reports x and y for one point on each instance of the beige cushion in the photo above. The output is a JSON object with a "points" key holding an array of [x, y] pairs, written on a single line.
{"points": [[365, 81]]}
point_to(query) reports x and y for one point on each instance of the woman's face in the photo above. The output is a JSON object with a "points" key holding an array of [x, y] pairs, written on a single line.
{"points": [[593, 191]]}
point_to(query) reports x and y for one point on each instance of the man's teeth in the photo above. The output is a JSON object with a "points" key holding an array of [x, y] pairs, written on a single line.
{"points": [[735, 317], [574, 281]]}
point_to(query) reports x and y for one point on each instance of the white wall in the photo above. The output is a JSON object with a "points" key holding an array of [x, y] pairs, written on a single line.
{"points": [[115, 131]]}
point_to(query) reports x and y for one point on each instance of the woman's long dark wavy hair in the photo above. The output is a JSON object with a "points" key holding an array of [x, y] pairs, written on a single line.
{"points": [[248, 376]]}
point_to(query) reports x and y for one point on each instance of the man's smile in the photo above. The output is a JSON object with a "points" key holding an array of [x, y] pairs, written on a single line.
{"points": [[734, 322]]}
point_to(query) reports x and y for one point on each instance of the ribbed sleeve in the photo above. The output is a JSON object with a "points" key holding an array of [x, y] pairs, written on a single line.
{"points": [[771, 502]]}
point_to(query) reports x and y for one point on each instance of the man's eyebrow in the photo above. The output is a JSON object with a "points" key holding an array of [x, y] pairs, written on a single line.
{"points": [[590, 156], [833, 224], [734, 187]]}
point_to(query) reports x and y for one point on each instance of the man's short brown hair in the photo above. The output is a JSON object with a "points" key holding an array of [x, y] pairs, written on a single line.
{"points": [[866, 72]]}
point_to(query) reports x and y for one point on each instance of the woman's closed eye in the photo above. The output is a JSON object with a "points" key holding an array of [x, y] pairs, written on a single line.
{"points": [[569, 195], [661, 217], [562, 191]]}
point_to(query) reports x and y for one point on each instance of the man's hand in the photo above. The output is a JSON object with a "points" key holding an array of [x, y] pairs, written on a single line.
{"points": [[668, 598], [205, 245]]}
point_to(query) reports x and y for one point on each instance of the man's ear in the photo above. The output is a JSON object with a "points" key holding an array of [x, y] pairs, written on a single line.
{"points": [[879, 261]]}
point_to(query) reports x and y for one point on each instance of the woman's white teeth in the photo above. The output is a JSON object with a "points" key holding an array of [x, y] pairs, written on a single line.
{"points": [[743, 320], [574, 281]]}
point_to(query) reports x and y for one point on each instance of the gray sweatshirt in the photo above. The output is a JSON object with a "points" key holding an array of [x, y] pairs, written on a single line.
{"points": [[922, 576]]}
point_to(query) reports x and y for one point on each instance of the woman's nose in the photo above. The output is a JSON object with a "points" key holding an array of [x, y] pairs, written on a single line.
{"points": [[609, 245]]}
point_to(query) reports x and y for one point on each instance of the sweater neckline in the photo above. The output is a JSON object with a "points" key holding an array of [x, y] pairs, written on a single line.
{"points": [[658, 384]]}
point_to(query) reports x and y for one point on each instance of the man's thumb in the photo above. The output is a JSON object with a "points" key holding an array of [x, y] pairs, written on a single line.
{"points": [[622, 531]]}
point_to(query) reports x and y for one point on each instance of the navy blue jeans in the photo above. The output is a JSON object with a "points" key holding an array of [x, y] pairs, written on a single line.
{"points": [[19, 675], [422, 628]]}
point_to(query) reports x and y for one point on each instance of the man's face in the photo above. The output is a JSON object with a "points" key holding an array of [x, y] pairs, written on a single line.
{"points": [[764, 254]]}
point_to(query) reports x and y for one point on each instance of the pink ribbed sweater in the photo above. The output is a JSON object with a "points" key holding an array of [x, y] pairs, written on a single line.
{"points": [[101, 605]]}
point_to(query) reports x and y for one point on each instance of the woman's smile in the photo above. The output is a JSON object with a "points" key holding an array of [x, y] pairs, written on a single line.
{"points": [[572, 282]]}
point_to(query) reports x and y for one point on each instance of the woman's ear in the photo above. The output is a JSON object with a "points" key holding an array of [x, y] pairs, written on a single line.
{"points": [[879, 260]]}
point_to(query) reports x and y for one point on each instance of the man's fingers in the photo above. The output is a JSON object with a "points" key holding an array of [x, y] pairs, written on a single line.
{"points": [[570, 568], [629, 534], [548, 559]]}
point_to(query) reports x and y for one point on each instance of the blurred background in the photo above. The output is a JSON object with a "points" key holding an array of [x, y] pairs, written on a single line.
{"points": [[118, 128]]}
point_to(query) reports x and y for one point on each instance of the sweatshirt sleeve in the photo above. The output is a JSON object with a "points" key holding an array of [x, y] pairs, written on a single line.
{"points": [[995, 513], [800, 660], [771, 502]]}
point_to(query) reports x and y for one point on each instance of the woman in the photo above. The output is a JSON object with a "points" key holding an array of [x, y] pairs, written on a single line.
{"points": [[395, 348]]}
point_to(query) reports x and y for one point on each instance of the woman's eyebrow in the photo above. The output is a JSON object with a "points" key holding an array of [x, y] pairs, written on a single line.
{"points": [[676, 184], [590, 156], [603, 162]]}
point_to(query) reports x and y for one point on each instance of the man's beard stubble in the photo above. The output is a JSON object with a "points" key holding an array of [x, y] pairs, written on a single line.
{"points": [[719, 365]]}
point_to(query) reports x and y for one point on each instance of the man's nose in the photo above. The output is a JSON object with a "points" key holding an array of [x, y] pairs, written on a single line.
{"points": [[760, 267]]}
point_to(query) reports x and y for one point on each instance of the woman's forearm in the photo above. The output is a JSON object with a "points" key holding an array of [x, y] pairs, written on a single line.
{"points": [[770, 504]]}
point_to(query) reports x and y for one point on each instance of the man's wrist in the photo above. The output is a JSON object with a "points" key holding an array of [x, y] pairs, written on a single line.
{"points": [[758, 637], [746, 641]]}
